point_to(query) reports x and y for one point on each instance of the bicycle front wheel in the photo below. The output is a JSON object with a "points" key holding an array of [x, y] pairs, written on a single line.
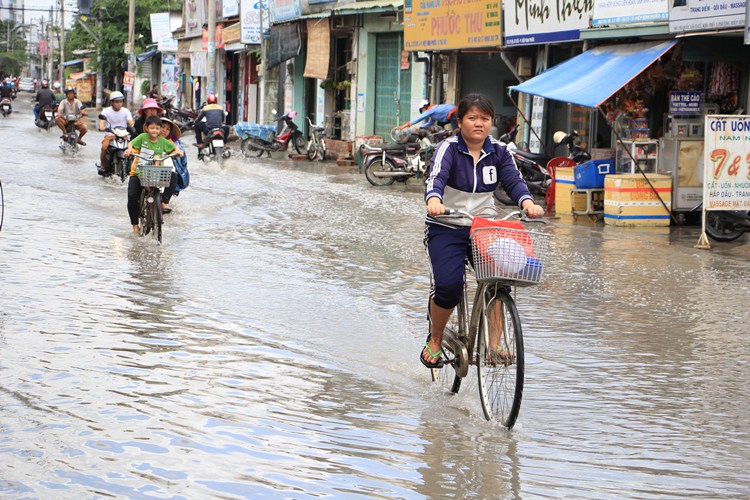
{"points": [[500, 358], [157, 215]]}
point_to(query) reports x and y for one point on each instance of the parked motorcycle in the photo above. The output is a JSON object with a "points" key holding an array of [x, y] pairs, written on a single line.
{"points": [[534, 166], [5, 107], [214, 147], [727, 225], [184, 118], [118, 164], [46, 116], [69, 142], [388, 163], [257, 139]]}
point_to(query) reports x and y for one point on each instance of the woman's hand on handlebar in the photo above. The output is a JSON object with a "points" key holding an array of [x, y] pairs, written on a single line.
{"points": [[435, 207], [533, 210]]}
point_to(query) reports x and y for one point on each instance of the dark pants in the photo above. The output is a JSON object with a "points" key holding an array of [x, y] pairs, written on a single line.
{"points": [[201, 128], [134, 195], [448, 249]]}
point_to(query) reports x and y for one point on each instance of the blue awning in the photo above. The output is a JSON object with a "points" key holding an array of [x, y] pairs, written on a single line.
{"points": [[146, 55], [71, 63], [591, 78]]}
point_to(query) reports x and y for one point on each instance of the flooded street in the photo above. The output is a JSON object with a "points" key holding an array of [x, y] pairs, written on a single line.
{"points": [[268, 348]]}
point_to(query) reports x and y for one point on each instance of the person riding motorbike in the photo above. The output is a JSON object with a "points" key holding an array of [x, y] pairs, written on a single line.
{"points": [[44, 97], [71, 105], [149, 108], [441, 115], [5, 91], [214, 116], [117, 116]]}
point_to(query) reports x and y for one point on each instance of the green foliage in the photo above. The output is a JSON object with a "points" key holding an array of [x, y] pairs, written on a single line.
{"points": [[13, 55], [113, 33], [145, 86]]}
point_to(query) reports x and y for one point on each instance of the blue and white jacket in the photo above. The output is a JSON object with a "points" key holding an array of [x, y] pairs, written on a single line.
{"points": [[460, 184]]}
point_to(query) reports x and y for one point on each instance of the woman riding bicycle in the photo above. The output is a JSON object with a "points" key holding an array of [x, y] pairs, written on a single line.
{"points": [[465, 171]]}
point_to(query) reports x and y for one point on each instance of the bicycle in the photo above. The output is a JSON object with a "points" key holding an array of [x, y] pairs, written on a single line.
{"points": [[316, 146], [153, 178], [490, 335]]}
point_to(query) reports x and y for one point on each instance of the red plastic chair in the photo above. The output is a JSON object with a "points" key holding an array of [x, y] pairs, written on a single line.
{"points": [[552, 166]]}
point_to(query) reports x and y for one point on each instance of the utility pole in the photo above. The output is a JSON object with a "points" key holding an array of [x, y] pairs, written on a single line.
{"points": [[50, 48], [262, 72], [41, 55], [211, 48], [131, 48], [62, 43]]}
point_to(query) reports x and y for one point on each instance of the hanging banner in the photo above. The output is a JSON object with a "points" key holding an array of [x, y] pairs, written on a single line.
{"points": [[726, 157], [199, 63], [196, 12], [160, 26]]}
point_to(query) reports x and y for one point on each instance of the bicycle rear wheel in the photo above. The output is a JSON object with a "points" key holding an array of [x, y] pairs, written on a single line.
{"points": [[447, 376], [500, 357]]}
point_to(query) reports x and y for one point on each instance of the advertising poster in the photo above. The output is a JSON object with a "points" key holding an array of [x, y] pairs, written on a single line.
{"points": [[230, 8], [539, 21], [726, 159], [195, 14], [170, 75], [609, 12], [452, 24], [160, 26], [700, 15]]}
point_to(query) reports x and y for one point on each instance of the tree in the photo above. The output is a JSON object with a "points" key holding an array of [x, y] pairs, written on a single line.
{"points": [[113, 33], [13, 55]]}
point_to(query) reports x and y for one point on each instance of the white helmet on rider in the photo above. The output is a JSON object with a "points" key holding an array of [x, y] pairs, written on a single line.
{"points": [[56, 85], [116, 96], [423, 104]]}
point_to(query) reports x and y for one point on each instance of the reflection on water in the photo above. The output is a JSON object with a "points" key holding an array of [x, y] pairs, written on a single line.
{"points": [[268, 348]]}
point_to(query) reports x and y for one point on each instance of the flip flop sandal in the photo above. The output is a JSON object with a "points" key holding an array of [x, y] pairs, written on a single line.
{"points": [[435, 364]]}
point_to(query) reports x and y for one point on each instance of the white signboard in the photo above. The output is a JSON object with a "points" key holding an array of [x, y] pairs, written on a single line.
{"points": [[608, 12], [283, 10], [701, 15], [160, 26], [537, 117], [168, 45], [726, 156], [540, 21], [230, 8], [250, 21]]}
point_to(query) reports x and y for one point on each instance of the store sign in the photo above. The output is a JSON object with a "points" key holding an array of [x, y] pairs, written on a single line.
{"points": [[529, 22], [160, 26], [608, 12], [685, 102], [537, 119], [251, 22], [230, 8], [726, 157], [168, 45], [283, 10], [451, 24], [700, 15]]}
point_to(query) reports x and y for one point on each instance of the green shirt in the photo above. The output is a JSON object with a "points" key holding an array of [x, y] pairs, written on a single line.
{"points": [[144, 146]]}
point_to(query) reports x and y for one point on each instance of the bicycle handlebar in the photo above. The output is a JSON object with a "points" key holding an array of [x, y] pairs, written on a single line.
{"points": [[151, 158], [452, 213]]}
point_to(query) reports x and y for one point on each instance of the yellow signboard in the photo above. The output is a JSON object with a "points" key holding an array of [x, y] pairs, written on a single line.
{"points": [[451, 24]]}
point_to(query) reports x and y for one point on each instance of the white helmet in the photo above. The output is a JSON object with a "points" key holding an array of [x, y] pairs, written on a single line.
{"points": [[116, 96], [423, 104], [56, 85]]}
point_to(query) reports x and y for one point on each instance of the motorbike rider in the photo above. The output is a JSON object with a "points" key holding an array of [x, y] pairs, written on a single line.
{"points": [[5, 90], [467, 169], [157, 147], [117, 116], [44, 97], [149, 108], [71, 105], [211, 116], [440, 114]]}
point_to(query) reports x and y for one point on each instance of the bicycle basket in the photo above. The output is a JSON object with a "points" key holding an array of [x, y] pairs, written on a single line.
{"points": [[505, 254], [154, 176]]}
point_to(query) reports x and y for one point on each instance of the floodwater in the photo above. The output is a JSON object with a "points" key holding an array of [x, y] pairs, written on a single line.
{"points": [[268, 348]]}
